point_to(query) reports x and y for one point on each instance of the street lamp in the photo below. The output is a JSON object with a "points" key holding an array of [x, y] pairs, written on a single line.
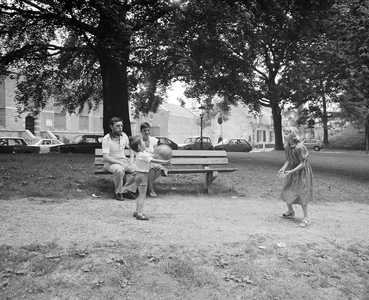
{"points": [[201, 144], [202, 107]]}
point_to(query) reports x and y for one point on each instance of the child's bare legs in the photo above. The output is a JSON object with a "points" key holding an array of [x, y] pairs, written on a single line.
{"points": [[290, 211], [142, 189], [305, 211], [305, 221], [153, 175]]}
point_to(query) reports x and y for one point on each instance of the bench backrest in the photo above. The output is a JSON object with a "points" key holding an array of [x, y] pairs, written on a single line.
{"points": [[184, 157]]}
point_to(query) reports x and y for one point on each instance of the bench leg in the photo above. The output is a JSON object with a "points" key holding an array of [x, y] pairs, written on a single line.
{"points": [[209, 178]]}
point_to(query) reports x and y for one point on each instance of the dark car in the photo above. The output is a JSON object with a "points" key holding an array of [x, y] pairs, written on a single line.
{"points": [[234, 145], [194, 143], [166, 141], [81, 144], [16, 145]]}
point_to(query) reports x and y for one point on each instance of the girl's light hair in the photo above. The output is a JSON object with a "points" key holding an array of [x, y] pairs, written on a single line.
{"points": [[294, 138]]}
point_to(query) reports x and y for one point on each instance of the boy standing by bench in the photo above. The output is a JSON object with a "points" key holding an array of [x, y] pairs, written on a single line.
{"points": [[143, 160]]}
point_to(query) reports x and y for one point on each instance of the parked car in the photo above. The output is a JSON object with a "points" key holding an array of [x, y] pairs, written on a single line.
{"points": [[166, 141], [313, 144], [234, 145], [45, 144], [16, 145], [81, 144], [194, 143]]}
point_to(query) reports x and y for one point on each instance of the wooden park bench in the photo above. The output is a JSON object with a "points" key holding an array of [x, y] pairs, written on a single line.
{"points": [[208, 162]]}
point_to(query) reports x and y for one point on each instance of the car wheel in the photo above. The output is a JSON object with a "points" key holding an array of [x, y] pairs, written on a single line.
{"points": [[316, 148], [246, 150]]}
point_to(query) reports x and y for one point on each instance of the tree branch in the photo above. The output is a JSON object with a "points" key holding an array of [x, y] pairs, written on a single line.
{"points": [[45, 14]]}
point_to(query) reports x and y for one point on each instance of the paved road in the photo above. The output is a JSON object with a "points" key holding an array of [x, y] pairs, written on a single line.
{"points": [[351, 164]]}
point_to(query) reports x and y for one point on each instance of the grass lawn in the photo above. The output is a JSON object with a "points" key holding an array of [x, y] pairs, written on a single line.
{"points": [[60, 242]]}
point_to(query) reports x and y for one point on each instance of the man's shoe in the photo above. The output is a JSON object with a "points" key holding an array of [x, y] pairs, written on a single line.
{"points": [[119, 196], [129, 195]]}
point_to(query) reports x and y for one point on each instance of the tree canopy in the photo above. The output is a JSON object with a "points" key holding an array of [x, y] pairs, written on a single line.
{"points": [[256, 52], [88, 53], [350, 36], [243, 48]]}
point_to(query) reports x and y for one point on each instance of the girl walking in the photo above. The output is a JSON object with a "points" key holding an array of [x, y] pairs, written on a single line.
{"points": [[298, 185]]}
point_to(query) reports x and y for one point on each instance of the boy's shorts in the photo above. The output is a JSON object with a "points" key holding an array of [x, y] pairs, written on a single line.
{"points": [[142, 178]]}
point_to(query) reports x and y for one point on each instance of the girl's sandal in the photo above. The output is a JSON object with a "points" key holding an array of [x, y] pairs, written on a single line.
{"points": [[288, 215], [142, 217], [305, 222]]}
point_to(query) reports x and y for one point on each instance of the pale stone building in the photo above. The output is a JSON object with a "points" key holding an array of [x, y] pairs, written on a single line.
{"points": [[171, 120], [51, 122]]}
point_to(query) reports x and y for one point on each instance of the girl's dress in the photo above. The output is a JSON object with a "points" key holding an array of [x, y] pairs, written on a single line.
{"points": [[298, 186]]}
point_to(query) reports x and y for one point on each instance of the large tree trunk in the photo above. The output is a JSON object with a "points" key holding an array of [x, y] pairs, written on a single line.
{"points": [[325, 122], [367, 135], [113, 64], [324, 116], [115, 94], [277, 121]]}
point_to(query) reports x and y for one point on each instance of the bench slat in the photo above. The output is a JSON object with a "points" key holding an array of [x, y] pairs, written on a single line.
{"points": [[185, 161], [182, 153], [181, 171]]}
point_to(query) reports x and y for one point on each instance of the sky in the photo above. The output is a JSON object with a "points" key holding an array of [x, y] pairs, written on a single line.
{"points": [[176, 92]]}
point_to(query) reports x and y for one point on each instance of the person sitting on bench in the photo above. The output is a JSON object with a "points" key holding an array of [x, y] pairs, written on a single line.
{"points": [[116, 162]]}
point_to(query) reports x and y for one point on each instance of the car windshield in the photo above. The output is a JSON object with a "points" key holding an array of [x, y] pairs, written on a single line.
{"points": [[225, 141], [13, 142], [189, 140], [77, 139], [311, 141]]}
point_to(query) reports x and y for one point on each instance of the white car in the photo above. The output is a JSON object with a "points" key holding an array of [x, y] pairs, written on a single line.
{"points": [[45, 144]]}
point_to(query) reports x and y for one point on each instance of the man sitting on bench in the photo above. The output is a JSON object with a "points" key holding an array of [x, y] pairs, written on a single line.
{"points": [[116, 162]]}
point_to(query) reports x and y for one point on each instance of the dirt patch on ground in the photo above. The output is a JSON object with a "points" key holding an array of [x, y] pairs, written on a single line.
{"points": [[197, 221]]}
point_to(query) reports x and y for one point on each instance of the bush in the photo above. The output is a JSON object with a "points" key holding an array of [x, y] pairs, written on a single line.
{"points": [[350, 141]]}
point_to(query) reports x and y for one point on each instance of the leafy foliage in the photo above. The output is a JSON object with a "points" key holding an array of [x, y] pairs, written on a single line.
{"points": [[84, 53], [349, 37], [243, 48]]}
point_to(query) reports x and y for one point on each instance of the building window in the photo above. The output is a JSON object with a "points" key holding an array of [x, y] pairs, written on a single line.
{"points": [[261, 136], [2, 117], [60, 121], [271, 136], [83, 123]]}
